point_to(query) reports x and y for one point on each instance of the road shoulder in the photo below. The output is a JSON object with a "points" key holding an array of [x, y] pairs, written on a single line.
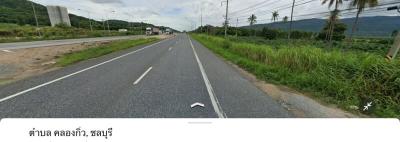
{"points": [[299, 104]]}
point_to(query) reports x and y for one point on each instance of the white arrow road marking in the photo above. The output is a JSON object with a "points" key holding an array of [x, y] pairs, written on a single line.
{"points": [[367, 106], [197, 104], [142, 76], [214, 99], [75, 73], [8, 51], [170, 49]]}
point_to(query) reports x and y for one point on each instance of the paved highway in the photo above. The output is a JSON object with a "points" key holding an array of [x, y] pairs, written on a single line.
{"points": [[161, 80], [44, 43]]}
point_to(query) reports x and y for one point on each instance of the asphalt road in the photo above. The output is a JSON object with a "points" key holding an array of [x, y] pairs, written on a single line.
{"points": [[161, 80], [44, 43]]}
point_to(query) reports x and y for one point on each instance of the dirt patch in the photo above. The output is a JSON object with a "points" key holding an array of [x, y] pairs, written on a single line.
{"points": [[299, 104], [33, 61], [21, 63]]}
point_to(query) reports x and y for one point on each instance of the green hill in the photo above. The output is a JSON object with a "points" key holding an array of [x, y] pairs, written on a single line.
{"points": [[377, 26], [20, 12]]}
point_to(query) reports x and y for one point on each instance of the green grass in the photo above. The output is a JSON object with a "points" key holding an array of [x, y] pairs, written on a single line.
{"points": [[102, 50], [334, 76], [377, 46]]}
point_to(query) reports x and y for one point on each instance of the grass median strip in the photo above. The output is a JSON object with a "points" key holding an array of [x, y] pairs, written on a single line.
{"points": [[102, 50], [348, 79]]}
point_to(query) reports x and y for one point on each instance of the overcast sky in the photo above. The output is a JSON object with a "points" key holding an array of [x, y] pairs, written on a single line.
{"points": [[185, 14]]}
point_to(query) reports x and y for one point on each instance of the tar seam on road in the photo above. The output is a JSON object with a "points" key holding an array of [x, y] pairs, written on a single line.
{"points": [[75, 73], [214, 100], [142, 76]]}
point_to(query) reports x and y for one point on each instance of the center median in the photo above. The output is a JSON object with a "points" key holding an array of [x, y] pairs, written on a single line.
{"points": [[102, 50]]}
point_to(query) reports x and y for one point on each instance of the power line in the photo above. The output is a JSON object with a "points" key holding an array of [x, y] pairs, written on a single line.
{"points": [[250, 7], [348, 9], [282, 7], [344, 12]]}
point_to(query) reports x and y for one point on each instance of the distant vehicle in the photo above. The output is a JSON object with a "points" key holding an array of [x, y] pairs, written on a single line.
{"points": [[148, 31], [122, 30], [156, 31], [169, 32], [152, 31]]}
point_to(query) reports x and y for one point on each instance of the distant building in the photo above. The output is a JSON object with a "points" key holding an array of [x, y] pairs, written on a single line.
{"points": [[58, 15]]}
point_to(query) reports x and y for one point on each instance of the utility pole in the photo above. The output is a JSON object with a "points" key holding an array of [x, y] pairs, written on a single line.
{"points": [[90, 21], [108, 25], [36, 19], [237, 21], [396, 46], [201, 20], [208, 31], [226, 17], [104, 24], [141, 28], [291, 20]]}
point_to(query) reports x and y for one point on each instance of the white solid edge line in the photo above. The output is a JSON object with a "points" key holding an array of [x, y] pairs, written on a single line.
{"points": [[142, 76], [214, 100], [75, 73]]}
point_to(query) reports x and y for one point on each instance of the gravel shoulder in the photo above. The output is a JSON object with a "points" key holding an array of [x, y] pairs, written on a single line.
{"points": [[297, 103]]}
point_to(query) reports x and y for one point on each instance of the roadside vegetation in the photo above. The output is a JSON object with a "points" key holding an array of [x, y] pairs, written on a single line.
{"points": [[18, 23], [102, 50], [331, 65], [16, 33], [347, 78]]}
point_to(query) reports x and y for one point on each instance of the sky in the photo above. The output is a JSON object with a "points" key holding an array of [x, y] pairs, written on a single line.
{"points": [[186, 14]]}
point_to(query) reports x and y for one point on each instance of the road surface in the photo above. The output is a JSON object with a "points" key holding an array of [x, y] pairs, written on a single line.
{"points": [[44, 43], [161, 80]]}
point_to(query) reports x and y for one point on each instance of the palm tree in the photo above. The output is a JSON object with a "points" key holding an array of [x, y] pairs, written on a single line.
{"points": [[361, 5], [334, 15], [252, 20], [275, 16], [285, 19]]}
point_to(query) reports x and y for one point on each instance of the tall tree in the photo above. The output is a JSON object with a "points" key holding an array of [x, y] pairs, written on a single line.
{"points": [[252, 20], [285, 19], [275, 16], [360, 5], [334, 15]]}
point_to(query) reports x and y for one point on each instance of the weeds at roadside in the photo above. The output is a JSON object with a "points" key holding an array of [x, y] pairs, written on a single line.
{"points": [[102, 50], [347, 79]]}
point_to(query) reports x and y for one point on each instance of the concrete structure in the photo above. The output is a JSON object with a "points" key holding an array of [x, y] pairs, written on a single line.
{"points": [[58, 15]]}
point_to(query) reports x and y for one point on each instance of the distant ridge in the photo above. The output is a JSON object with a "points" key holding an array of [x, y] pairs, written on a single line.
{"points": [[382, 26], [20, 12]]}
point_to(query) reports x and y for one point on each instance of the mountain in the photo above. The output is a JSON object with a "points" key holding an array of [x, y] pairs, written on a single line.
{"points": [[20, 12], [368, 26]]}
